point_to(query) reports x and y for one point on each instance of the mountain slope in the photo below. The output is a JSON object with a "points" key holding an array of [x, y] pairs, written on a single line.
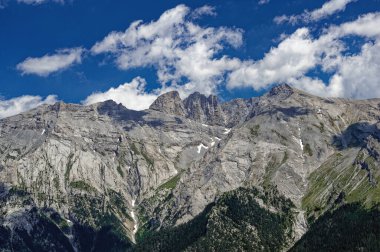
{"points": [[286, 137], [125, 175]]}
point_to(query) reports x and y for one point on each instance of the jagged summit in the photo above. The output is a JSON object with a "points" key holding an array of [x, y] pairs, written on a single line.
{"points": [[169, 103], [209, 110], [205, 109], [283, 90], [196, 106]]}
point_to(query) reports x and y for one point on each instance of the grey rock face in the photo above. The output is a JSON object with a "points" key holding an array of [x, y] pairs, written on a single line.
{"points": [[237, 110], [204, 109], [61, 152], [287, 135], [283, 91], [169, 103], [167, 163], [207, 110]]}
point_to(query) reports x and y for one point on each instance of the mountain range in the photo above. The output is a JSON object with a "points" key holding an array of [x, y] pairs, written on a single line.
{"points": [[287, 171]]}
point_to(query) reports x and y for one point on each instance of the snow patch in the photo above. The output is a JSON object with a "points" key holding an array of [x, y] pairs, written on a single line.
{"points": [[300, 140], [217, 138], [199, 148], [43, 132], [226, 131], [301, 144], [205, 125], [135, 227]]}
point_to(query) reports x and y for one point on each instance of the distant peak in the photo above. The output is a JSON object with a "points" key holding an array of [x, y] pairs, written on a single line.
{"points": [[282, 89]]}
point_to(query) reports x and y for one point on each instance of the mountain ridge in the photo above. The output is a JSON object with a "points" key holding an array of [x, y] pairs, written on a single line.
{"points": [[159, 168]]}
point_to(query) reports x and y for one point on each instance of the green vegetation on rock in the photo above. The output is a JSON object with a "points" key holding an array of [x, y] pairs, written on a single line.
{"points": [[81, 185], [342, 179], [255, 131], [171, 183], [69, 166], [307, 150]]}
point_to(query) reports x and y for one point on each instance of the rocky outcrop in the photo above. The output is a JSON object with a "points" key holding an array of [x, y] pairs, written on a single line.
{"points": [[283, 91], [236, 111], [204, 109], [169, 103]]}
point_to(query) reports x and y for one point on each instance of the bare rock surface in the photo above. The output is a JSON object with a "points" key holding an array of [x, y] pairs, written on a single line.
{"points": [[167, 163]]}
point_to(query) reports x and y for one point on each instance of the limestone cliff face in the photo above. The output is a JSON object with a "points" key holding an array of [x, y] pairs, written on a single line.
{"points": [[197, 107], [286, 137], [161, 167], [169, 103], [61, 152], [204, 109]]}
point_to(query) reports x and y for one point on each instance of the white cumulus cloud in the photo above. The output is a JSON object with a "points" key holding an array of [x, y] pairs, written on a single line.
{"points": [[329, 8], [48, 64], [185, 55], [294, 56], [353, 75], [23, 103], [132, 95]]}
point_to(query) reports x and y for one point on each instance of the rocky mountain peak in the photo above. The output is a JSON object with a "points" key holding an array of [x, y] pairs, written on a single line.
{"points": [[169, 103], [283, 90], [204, 109]]}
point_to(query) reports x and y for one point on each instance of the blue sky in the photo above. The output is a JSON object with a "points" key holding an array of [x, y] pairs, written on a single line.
{"points": [[58, 49]]}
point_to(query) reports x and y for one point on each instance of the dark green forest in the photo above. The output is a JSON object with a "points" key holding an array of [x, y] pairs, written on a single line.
{"points": [[236, 222], [349, 228]]}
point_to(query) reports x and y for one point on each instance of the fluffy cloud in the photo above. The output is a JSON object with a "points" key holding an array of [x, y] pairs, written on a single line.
{"points": [[358, 76], [189, 58], [51, 63], [329, 8], [352, 75], [185, 55], [202, 11], [294, 56], [366, 26], [132, 95], [23, 103]]}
